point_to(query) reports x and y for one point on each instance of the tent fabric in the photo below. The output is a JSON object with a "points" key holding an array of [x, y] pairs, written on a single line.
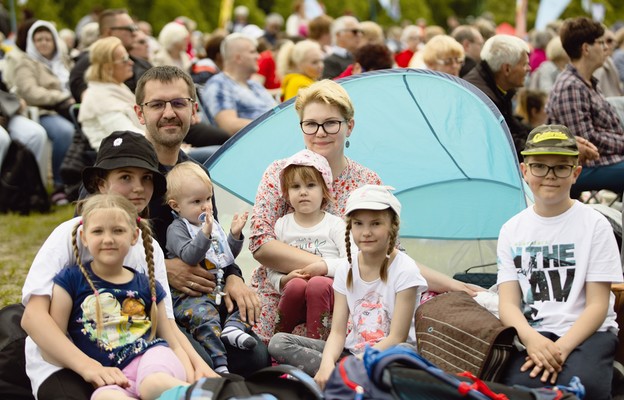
{"points": [[437, 139]]}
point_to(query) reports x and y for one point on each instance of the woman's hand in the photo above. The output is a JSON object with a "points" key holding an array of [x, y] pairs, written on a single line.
{"points": [[298, 273], [192, 280], [318, 268]]}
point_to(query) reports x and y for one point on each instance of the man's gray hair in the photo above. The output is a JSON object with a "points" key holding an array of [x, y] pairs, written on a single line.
{"points": [[226, 44], [503, 49]]}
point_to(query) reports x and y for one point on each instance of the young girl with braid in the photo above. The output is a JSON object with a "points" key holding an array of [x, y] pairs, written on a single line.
{"points": [[374, 283], [113, 313]]}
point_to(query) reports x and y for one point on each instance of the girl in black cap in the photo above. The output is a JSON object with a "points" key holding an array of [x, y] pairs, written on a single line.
{"points": [[126, 165]]}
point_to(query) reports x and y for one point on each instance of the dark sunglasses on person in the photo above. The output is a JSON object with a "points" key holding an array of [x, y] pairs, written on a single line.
{"points": [[129, 28]]}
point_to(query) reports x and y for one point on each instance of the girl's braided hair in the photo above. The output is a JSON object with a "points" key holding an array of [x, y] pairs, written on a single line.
{"points": [[113, 201]]}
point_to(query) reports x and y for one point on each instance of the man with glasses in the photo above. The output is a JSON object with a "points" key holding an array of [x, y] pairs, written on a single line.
{"points": [[112, 22], [346, 36], [502, 70], [576, 102], [166, 104]]}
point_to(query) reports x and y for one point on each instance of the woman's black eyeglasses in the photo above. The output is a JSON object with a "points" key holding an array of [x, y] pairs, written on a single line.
{"points": [[330, 127]]}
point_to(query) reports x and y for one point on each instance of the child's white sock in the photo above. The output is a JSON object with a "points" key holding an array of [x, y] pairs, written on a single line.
{"points": [[237, 337], [222, 370]]}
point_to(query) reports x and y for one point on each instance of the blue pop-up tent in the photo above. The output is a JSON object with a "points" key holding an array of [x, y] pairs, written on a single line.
{"points": [[435, 138]]}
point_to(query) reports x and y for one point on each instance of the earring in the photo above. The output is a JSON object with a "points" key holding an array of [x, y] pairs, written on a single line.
{"points": [[347, 144]]}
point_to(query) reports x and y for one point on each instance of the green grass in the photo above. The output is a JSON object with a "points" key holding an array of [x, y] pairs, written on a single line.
{"points": [[20, 239]]}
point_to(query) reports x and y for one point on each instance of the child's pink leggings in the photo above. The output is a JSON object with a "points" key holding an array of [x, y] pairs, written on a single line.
{"points": [[310, 301]]}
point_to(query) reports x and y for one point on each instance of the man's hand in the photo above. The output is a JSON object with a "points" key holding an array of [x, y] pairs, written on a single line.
{"points": [[192, 280], [587, 150], [238, 223], [248, 303]]}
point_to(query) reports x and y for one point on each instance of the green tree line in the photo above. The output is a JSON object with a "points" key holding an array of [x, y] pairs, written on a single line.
{"points": [[206, 12]]}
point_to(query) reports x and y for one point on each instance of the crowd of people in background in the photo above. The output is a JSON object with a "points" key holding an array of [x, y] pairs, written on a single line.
{"points": [[180, 94], [261, 65]]}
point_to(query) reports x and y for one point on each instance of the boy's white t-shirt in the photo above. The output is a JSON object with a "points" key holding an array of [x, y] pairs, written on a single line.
{"points": [[371, 304], [552, 258], [57, 253]]}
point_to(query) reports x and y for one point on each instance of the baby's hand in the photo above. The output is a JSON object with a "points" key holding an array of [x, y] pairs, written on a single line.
{"points": [[238, 223], [317, 268], [206, 218]]}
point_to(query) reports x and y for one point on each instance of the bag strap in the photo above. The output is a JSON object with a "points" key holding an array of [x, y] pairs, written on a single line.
{"points": [[376, 363], [277, 371], [211, 388]]}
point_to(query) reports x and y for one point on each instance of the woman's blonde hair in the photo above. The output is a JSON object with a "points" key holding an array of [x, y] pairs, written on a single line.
{"points": [[326, 92], [101, 57], [392, 242], [292, 54], [116, 202], [440, 47]]}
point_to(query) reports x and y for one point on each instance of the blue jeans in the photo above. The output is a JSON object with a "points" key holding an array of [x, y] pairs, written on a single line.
{"points": [[610, 177], [61, 132]]}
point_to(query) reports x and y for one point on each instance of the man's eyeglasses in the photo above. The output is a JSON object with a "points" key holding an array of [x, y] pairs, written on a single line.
{"points": [[330, 127], [129, 28], [124, 60], [177, 104], [541, 170], [354, 31], [451, 61]]}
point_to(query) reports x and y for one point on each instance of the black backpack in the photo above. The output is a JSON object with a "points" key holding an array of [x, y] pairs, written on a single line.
{"points": [[14, 383], [21, 188]]}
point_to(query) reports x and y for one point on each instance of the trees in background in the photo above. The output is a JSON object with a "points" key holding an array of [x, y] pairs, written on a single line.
{"points": [[206, 12]]}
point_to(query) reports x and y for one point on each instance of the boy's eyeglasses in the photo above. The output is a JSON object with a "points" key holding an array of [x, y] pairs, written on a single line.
{"points": [[330, 127], [541, 170], [177, 104]]}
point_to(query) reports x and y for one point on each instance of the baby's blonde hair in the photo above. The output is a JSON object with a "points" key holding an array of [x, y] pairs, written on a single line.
{"points": [[116, 202], [180, 174]]}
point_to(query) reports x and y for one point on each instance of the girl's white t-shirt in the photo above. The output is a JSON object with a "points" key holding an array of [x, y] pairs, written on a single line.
{"points": [[371, 304]]}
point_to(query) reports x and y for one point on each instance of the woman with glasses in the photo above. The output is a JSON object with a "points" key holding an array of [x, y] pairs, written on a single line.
{"points": [[41, 78], [108, 104], [444, 54], [326, 121]]}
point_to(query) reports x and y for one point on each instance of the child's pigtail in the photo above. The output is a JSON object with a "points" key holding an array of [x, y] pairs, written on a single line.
{"points": [[394, 233], [348, 247], [146, 235], [98, 309]]}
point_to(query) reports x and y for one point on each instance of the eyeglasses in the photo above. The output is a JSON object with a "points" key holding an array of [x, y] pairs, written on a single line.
{"points": [[330, 127], [124, 60], [354, 31], [541, 170], [176, 104], [601, 42], [451, 61], [129, 28], [609, 40]]}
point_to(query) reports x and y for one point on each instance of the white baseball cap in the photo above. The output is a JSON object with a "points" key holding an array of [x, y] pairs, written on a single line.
{"points": [[372, 197]]}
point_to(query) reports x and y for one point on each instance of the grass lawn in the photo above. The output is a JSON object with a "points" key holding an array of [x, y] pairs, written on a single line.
{"points": [[20, 238]]}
